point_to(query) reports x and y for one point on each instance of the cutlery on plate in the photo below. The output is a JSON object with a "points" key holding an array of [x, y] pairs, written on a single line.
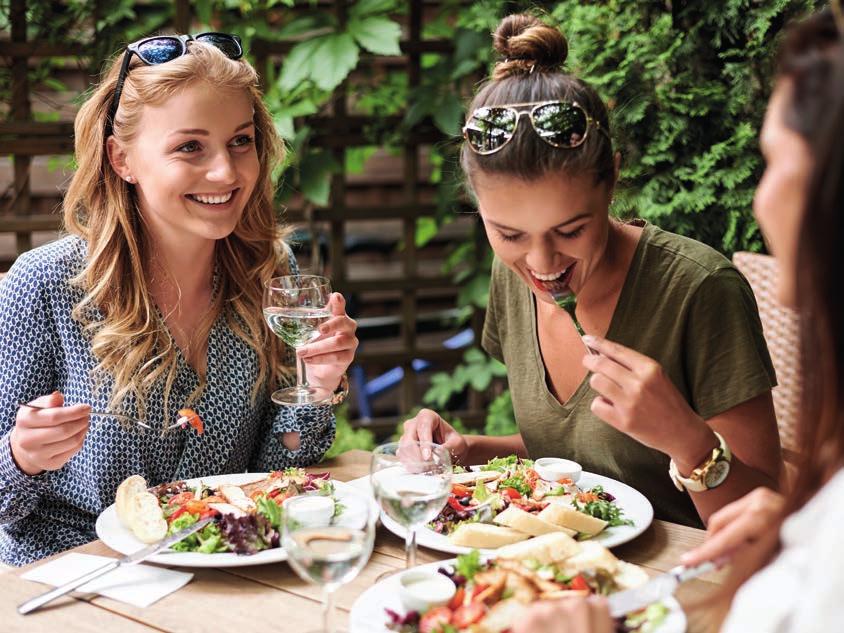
{"points": [[39, 601], [105, 414], [657, 588]]}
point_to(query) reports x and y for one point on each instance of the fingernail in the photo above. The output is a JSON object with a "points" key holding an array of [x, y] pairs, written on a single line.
{"points": [[426, 453], [323, 329], [589, 339]]}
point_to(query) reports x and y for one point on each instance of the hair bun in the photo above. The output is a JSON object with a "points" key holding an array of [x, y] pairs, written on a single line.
{"points": [[524, 42]]}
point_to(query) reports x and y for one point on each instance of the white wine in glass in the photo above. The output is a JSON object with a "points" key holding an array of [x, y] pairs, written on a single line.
{"points": [[331, 555], [411, 481], [294, 308]]}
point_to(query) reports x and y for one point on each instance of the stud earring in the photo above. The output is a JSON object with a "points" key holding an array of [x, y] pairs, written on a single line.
{"points": [[130, 179]]}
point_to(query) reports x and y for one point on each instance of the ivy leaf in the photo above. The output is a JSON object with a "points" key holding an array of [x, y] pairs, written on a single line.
{"points": [[377, 35], [368, 7], [315, 172], [334, 58], [298, 64]]}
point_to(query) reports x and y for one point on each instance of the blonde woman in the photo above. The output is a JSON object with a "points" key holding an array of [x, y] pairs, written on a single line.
{"points": [[153, 302]]}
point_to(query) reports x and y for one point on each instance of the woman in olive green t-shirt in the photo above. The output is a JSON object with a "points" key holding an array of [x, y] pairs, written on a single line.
{"points": [[681, 354]]}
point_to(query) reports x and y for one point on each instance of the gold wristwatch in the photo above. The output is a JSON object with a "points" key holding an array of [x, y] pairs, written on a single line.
{"points": [[341, 392], [711, 473]]}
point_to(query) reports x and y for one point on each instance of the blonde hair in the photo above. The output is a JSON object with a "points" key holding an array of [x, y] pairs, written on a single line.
{"points": [[131, 343]]}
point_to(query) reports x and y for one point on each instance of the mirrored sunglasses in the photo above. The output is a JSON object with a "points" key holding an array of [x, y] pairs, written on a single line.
{"points": [[562, 124], [161, 49]]}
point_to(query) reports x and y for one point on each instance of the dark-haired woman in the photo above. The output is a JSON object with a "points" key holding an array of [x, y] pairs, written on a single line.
{"points": [[683, 377], [786, 552]]}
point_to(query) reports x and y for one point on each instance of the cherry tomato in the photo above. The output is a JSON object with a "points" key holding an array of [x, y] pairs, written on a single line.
{"points": [[192, 417], [433, 621], [579, 583], [468, 614]]}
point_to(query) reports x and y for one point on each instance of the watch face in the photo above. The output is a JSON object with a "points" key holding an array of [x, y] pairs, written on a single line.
{"points": [[716, 474]]}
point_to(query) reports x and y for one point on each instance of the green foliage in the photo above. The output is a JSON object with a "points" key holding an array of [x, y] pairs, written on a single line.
{"points": [[348, 438]]}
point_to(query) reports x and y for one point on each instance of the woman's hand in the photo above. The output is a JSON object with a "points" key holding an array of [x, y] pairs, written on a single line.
{"points": [[427, 426], [329, 356], [639, 399], [45, 439], [750, 520], [568, 615]]}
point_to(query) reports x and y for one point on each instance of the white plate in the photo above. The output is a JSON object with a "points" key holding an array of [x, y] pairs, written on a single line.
{"points": [[121, 539], [635, 505], [368, 616]]}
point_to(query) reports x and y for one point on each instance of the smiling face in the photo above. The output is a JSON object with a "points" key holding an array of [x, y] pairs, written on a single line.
{"points": [[551, 229], [781, 194], [195, 163]]}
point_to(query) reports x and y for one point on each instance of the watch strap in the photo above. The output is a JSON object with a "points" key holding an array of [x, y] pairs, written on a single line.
{"points": [[696, 481]]}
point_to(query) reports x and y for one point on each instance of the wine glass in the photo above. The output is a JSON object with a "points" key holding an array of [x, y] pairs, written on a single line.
{"points": [[294, 308], [411, 481], [329, 555]]}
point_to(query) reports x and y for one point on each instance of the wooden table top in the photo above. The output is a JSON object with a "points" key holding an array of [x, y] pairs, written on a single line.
{"points": [[272, 598]]}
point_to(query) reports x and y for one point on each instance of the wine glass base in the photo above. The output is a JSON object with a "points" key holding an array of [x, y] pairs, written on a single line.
{"points": [[300, 396]]}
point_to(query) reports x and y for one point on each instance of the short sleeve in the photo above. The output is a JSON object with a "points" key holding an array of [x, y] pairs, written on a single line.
{"points": [[490, 339], [727, 360]]}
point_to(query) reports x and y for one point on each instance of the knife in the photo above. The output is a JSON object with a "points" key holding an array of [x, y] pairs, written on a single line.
{"points": [[39, 601], [657, 588]]}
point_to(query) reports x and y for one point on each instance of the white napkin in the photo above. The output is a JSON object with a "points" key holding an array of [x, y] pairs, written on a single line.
{"points": [[140, 585]]}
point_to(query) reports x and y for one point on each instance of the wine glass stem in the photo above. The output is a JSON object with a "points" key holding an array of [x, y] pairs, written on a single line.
{"points": [[410, 549], [301, 372], [327, 609]]}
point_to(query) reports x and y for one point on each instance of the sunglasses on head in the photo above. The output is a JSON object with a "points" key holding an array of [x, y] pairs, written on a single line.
{"points": [[161, 49], [563, 124]]}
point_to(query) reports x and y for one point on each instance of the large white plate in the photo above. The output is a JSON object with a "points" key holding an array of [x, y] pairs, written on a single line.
{"points": [[635, 505], [368, 614], [121, 539]]}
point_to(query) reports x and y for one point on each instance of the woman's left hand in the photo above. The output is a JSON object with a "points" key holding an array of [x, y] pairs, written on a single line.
{"points": [[568, 615], [329, 356], [639, 399]]}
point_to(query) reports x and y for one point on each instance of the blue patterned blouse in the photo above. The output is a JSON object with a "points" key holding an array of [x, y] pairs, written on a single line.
{"points": [[42, 349]]}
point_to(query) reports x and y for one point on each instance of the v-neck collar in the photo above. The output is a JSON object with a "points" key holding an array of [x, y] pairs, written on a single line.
{"points": [[621, 306]]}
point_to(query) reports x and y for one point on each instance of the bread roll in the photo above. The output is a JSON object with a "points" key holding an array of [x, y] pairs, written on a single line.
{"points": [[545, 549], [573, 519], [484, 535], [130, 487], [148, 523], [518, 519]]}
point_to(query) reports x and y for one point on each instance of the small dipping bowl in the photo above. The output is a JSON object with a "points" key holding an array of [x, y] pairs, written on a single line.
{"points": [[311, 510], [555, 468], [420, 590]]}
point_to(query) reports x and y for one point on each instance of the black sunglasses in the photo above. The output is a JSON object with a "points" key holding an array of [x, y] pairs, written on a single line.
{"points": [[562, 124], [161, 49]]}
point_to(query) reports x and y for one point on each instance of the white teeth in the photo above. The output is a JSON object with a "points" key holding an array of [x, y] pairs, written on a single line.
{"points": [[218, 199], [549, 276]]}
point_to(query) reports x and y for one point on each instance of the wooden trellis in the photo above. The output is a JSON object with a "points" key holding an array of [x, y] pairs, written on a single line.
{"points": [[22, 138]]}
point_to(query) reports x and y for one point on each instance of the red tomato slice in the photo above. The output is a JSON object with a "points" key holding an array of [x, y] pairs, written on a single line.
{"points": [[468, 614], [457, 600], [579, 583], [432, 621], [512, 493]]}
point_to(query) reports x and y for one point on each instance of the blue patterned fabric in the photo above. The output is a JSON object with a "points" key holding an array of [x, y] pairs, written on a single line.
{"points": [[42, 349]]}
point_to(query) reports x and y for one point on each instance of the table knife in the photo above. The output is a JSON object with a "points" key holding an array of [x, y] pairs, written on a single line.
{"points": [[656, 588], [39, 601]]}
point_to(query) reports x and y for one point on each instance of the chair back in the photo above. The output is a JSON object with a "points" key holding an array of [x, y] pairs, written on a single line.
{"points": [[782, 334]]}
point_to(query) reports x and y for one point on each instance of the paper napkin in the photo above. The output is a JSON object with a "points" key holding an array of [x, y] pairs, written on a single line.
{"points": [[362, 484], [139, 585]]}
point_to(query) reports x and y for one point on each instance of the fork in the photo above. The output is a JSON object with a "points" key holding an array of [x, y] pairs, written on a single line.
{"points": [[566, 299], [106, 414]]}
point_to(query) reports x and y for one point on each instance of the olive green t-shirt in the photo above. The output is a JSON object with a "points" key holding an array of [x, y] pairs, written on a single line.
{"points": [[684, 305]]}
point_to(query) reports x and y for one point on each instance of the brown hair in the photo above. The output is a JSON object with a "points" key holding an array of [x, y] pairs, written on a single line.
{"points": [[130, 341], [531, 70], [811, 59]]}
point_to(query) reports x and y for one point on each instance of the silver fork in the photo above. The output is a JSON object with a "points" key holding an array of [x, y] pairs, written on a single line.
{"points": [[106, 414]]}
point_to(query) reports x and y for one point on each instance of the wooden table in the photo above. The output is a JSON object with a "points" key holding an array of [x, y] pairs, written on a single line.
{"points": [[271, 598]]}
